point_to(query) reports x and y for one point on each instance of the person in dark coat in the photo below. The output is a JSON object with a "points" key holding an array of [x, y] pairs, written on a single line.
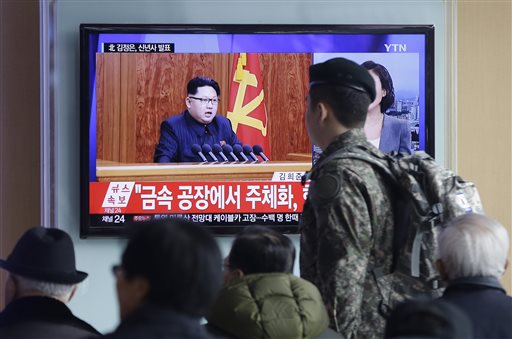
{"points": [[434, 319], [42, 279], [170, 273], [473, 251]]}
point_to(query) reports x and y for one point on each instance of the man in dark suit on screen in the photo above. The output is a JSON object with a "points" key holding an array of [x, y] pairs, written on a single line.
{"points": [[198, 125]]}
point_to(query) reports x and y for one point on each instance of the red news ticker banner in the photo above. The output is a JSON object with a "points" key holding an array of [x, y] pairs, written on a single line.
{"points": [[198, 197]]}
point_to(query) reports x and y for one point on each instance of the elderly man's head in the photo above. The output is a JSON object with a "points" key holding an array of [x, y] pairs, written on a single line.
{"points": [[42, 264], [472, 245]]}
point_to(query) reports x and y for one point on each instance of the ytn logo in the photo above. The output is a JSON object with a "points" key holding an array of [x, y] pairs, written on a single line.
{"points": [[396, 47]]}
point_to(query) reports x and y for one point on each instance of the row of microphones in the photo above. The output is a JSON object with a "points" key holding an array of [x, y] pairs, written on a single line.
{"points": [[228, 153]]}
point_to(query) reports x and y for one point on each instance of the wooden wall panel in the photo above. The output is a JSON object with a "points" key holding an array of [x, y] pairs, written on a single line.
{"points": [[285, 81], [128, 122], [484, 142], [108, 93], [112, 93], [100, 103], [21, 185], [152, 87]]}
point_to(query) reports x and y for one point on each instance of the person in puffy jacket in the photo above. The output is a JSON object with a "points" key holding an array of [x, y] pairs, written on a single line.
{"points": [[261, 298]]}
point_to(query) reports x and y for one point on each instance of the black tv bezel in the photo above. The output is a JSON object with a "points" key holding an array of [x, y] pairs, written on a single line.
{"points": [[88, 230]]}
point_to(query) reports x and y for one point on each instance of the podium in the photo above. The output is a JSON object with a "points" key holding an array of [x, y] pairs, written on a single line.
{"points": [[207, 171]]}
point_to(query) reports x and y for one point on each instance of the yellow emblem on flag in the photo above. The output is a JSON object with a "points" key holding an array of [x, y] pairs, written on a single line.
{"points": [[240, 112]]}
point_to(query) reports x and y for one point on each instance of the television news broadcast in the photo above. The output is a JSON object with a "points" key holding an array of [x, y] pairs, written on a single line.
{"points": [[135, 77]]}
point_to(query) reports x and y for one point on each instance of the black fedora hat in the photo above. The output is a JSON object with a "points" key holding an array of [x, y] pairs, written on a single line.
{"points": [[45, 254]]}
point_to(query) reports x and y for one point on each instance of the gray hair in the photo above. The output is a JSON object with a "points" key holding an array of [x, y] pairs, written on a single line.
{"points": [[47, 288], [473, 245]]}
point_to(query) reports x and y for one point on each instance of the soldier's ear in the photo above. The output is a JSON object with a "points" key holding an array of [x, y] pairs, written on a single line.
{"points": [[323, 111]]}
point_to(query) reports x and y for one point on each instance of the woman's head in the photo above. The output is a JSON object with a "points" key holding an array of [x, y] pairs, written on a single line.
{"points": [[383, 85]]}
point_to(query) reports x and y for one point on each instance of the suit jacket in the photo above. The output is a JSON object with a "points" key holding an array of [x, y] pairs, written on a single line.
{"points": [[485, 302], [180, 132], [42, 317], [395, 135]]}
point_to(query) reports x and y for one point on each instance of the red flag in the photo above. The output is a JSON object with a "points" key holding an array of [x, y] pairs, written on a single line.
{"points": [[246, 106]]}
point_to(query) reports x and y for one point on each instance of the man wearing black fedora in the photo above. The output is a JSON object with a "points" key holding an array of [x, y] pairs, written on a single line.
{"points": [[42, 279]]}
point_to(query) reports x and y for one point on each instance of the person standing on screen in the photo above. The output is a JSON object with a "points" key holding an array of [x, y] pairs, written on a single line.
{"points": [[198, 124], [386, 132], [347, 222]]}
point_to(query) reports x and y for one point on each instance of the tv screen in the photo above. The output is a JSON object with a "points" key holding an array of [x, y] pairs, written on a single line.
{"points": [[150, 149]]}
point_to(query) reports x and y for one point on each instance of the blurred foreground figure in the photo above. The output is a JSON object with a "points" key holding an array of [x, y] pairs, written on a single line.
{"points": [[433, 319], [261, 298], [170, 273], [473, 253], [42, 279]]}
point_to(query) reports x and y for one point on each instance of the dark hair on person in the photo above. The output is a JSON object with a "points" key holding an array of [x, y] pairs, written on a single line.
{"points": [[428, 319], [181, 262], [197, 82], [386, 82], [349, 105], [258, 249]]}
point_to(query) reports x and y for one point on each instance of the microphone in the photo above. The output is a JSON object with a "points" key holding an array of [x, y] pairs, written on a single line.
{"points": [[240, 152], [259, 151], [248, 151], [196, 149], [208, 149], [229, 150], [218, 150]]}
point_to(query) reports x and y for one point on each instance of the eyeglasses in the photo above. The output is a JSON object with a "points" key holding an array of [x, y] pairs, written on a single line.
{"points": [[116, 269], [204, 101]]}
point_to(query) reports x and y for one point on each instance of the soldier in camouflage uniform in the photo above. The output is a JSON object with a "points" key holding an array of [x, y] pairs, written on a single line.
{"points": [[347, 222]]}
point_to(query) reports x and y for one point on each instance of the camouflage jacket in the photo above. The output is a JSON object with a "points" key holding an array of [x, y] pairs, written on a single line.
{"points": [[346, 231]]}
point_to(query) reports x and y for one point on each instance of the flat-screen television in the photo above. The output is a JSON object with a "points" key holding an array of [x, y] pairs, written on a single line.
{"points": [[134, 78]]}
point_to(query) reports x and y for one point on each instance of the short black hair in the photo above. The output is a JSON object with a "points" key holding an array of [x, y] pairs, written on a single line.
{"points": [[428, 319], [197, 82], [181, 262], [259, 249], [350, 106], [386, 82]]}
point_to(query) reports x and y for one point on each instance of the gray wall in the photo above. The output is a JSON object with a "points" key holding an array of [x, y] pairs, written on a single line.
{"points": [[95, 301]]}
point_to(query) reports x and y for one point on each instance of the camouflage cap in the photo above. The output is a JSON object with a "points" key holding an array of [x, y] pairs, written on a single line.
{"points": [[342, 72]]}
